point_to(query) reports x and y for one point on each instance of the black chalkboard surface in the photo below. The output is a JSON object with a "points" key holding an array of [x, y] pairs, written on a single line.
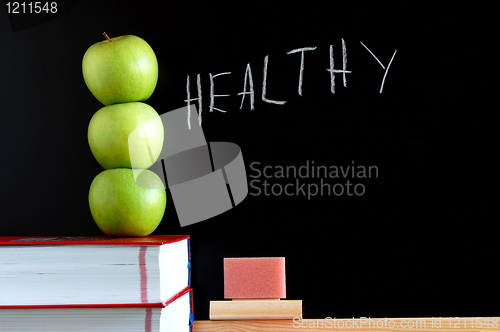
{"points": [[370, 164]]}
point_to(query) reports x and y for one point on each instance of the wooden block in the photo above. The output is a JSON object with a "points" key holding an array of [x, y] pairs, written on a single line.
{"points": [[255, 309], [452, 324]]}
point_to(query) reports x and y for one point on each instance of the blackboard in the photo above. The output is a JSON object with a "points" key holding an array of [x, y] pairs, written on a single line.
{"points": [[400, 224]]}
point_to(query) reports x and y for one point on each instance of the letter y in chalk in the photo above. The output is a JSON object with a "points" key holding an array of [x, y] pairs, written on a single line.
{"points": [[383, 67]]}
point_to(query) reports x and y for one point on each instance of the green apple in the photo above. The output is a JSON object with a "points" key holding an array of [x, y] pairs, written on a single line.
{"points": [[122, 205], [126, 135], [120, 69]]}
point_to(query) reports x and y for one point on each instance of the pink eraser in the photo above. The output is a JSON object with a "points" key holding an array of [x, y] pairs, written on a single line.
{"points": [[254, 278]]}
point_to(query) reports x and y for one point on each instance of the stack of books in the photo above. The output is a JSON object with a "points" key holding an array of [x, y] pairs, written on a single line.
{"points": [[95, 284]]}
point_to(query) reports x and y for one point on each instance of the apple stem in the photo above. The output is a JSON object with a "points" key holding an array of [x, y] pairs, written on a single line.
{"points": [[106, 35]]}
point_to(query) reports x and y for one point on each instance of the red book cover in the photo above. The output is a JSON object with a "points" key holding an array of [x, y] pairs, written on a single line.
{"points": [[176, 313], [107, 240], [186, 290]]}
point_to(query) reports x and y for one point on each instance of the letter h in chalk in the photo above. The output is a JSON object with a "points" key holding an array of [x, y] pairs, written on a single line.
{"points": [[255, 287]]}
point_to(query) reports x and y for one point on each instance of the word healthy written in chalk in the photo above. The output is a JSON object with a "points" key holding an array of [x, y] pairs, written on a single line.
{"points": [[248, 85]]}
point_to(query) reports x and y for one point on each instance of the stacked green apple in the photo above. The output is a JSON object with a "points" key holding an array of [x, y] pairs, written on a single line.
{"points": [[125, 136]]}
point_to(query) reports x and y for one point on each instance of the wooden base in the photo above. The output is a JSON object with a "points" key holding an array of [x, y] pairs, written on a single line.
{"points": [[452, 324], [255, 309]]}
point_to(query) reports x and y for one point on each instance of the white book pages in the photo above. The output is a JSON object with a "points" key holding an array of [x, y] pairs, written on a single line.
{"points": [[92, 274]]}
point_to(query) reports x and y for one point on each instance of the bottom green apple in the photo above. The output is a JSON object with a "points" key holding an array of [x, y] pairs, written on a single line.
{"points": [[121, 207]]}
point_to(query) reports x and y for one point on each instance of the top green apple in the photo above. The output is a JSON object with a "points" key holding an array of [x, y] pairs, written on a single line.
{"points": [[120, 70]]}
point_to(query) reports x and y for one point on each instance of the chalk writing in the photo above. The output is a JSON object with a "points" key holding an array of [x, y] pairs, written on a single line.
{"points": [[248, 82], [334, 71], [212, 95], [301, 72], [248, 77], [264, 86], [380, 63], [189, 100]]}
